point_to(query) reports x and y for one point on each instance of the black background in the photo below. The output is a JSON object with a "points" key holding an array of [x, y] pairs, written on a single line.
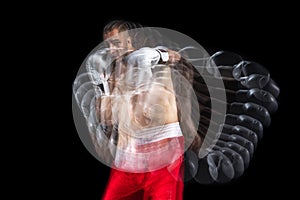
{"points": [[65, 34]]}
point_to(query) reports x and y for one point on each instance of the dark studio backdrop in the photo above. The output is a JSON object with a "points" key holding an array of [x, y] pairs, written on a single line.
{"points": [[249, 30]]}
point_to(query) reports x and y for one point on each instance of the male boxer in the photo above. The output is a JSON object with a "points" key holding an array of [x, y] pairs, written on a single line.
{"points": [[141, 103]]}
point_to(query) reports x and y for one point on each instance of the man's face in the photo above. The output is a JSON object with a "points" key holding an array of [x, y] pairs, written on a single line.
{"points": [[118, 43]]}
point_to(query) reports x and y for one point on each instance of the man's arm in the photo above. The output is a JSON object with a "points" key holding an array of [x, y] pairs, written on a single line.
{"points": [[104, 110]]}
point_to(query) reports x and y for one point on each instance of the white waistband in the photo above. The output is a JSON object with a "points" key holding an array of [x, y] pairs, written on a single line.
{"points": [[153, 134], [130, 158]]}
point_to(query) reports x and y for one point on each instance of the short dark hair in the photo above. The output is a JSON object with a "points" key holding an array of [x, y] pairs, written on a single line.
{"points": [[140, 35], [135, 31], [120, 25]]}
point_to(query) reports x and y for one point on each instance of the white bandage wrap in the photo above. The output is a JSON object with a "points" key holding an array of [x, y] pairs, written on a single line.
{"points": [[163, 51], [106, 87]]}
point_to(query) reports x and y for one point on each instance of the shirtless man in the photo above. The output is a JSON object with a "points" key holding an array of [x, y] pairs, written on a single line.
{"points": [[139, 98]]}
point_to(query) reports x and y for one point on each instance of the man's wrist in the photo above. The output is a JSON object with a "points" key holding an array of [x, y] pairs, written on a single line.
{"points": [[103, 88]]}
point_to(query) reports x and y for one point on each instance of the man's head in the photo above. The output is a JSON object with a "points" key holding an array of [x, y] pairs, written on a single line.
{"points": [[118, 38]]}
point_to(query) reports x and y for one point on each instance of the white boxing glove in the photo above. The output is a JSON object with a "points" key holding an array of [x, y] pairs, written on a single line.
{"points": [[140, 62], [147, 57], [98, 68], [144, 57]]}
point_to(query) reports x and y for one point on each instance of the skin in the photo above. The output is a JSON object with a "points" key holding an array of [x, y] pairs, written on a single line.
{"points": [[118, 43], [145, 105], [151, 106]]}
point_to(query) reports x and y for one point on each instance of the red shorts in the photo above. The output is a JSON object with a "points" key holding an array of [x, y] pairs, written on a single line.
{"points": [[164, 184]]}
